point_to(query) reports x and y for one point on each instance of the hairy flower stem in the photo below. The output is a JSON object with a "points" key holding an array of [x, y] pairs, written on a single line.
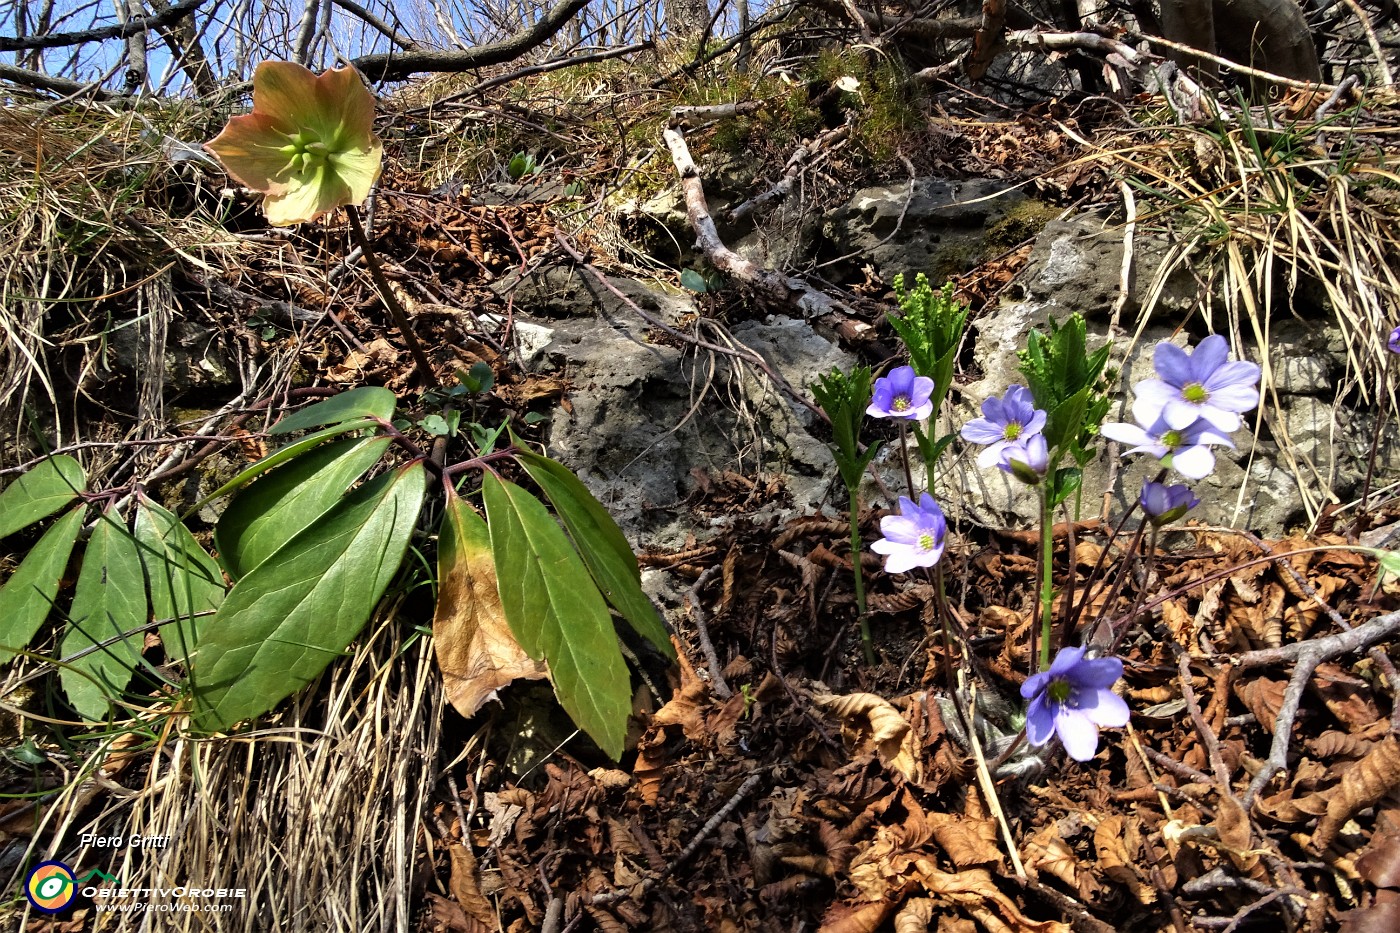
{"points": [[1047, 590], [1363, 519], [904, 460], [1120, 633], [391, 301], [866, 641]]}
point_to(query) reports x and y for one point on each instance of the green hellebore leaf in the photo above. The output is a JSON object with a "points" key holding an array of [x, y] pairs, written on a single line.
{"points": [[27, 597], [39, 493]]}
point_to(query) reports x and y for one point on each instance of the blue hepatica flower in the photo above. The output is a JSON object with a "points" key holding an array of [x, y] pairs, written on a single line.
{"points": [[1165, 504], [1188, 447], [1004, 421], [1073, 699], [1393, 344], [1027, 459], [902, 394], [914, 537], [1203, 384]]}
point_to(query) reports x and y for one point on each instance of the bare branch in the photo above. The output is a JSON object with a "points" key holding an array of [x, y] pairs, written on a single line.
{"points": [[120, 31]]}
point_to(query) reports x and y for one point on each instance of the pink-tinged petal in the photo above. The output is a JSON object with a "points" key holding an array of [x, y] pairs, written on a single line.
{"points": [[1180, 414], [1110, 711], [1125, 433], [286, 92], [1194, 462], [1079, 736], [1172, 363], [1210, 355], [982, 431], [1235, 398], [250, 148], [341, 92]]}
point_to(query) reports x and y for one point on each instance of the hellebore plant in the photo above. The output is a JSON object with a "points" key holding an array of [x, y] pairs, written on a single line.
{"points": [[1073, 698], [309, 147]]}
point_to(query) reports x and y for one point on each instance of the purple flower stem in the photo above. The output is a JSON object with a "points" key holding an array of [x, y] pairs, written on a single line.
{"points": [[904, 459], [391, 301], [1121, 631], [1047, 583], [1363, 519]]}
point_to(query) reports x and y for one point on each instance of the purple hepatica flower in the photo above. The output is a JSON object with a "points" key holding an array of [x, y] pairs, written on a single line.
{"points": [[914, 537], [1187, 447], [1073, 699], [1005, 420], [1393, 344], [1164, 504], [1204, 384], [902, 394], [1026, 459]]}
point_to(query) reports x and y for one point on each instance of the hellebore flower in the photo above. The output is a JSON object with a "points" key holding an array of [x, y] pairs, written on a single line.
{"points": [[1204, 384], [902, 394], [1393, 344], [914, 537], [1073, 699], [1005, 420], [309, 144], [1165, 504], [1027, 459], [1187, 447]]}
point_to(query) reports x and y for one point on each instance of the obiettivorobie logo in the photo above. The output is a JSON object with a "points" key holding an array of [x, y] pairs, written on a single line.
{"points": [[51, 886]]}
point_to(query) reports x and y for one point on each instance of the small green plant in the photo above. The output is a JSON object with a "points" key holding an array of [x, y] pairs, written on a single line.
{"points": [[522, 165]]}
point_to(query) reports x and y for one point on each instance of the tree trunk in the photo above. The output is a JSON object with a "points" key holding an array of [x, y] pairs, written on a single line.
{"points": [[1271, 35], [686, 19]]}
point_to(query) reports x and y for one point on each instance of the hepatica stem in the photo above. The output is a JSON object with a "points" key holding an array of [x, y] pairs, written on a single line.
{"points": [[1047, 566]]}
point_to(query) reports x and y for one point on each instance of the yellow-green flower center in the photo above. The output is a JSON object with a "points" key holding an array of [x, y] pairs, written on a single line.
{"points": [[1013, 430], [1195, 393], [1059, 690], [901, 403], [305, 152], [926, 542], [1171, 440]]}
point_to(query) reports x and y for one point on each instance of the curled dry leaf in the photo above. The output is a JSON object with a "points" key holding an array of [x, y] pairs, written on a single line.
{"points": [[1380, 863], [1117, 841], [866, 717], [475, 648], [1047, 851], [867, 918], [1235, 831], [1363, 786], [914, 916], [969, 843], [466, 886]]}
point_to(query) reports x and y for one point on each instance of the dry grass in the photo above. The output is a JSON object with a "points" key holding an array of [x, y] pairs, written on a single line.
{"points": [[318, 814]]}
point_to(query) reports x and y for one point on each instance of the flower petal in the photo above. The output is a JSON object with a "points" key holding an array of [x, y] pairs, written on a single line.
{"points": [[989, 457], [1179, 413], [982, 431], [1194, 462], [1097, 673], [1235, 398], [1209, 356], [306, 197], [1066, 660], [900, 528], [1079, 735], [1040, 721], [359, 170], [1036, 683], [1172, 363], [250, 148], [1110, 710], [1125, 433], [1152, 396]]}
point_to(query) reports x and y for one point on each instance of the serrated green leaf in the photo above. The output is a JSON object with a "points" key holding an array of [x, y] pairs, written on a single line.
{"points": [[281, 456], [109, 604], [39, 493], [27, 597], [557, 613], [269, 513], [181, 577], [693, 281], [288, 618], [602, 546], [364, 402]]}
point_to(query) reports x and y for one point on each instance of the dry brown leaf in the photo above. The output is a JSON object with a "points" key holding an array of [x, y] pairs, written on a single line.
{"points": [[1117, 842], [866, 918], [976, 891], [466, 886], [1233, 825], [1048, 851], [1380, 863], [475, 649], [914, 916], [1362, 786], [1263, 696], [866, 717], [1348, 697], [969, 843]]}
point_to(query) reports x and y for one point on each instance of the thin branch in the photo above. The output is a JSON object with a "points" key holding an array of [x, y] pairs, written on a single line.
{"points": [[389, 32], [119, 31]]}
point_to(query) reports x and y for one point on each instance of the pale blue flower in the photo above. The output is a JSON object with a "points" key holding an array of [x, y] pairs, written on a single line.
{"points": [[1165, 504], [1201, 384], [1005, 420], [1072, 700], [1393, 344], [902, 394], [1188, 448], [913, 538], [1027, 459]]}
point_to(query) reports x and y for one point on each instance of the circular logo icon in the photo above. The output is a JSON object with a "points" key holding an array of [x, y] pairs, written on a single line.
{"points": [[50, 887]]}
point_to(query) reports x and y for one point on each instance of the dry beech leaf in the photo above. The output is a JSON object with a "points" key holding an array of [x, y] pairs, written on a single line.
{"points": [[1333, 744], [466, 887], [866, 918], [1362, 786], [951, 923], [1116, 845], [914, 916], [1380, 863], [969, 843], [1047, 851], [1232, 823], [1263, 696], [475, 649], [870, 718], [1347, 696], [976, 891]]}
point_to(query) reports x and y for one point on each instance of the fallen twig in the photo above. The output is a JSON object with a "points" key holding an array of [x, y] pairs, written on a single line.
{"points": [[805, 152], [717, 681]]}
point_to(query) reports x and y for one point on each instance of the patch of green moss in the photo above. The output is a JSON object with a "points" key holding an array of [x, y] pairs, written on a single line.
{"points": [[1022, 221]]}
